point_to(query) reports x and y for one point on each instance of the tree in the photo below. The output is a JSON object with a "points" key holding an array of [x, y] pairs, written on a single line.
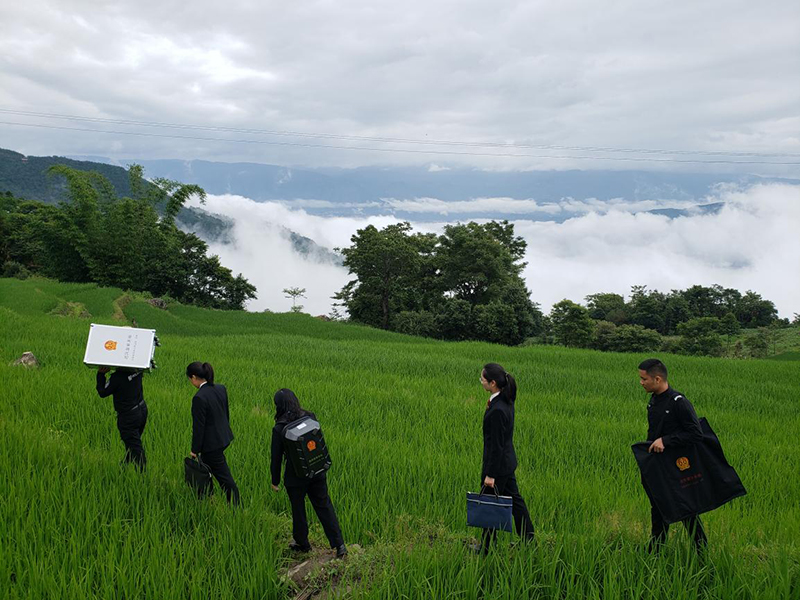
{"points": [[496, 323], [603, 338], [703, 301], [647, 308], [441, 285], [676, 311], [607, 307], [474, 264], [572, 324], [95, 236], [754, 311], [757, 344], [386, 264], [454, 320], [700, 336], [294, 293], [729, 326]]}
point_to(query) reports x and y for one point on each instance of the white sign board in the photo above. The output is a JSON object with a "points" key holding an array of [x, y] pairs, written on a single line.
{"points": [[125, 347]]}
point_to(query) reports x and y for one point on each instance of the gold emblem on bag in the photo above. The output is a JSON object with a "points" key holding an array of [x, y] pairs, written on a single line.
{"points": [[683, 463]]}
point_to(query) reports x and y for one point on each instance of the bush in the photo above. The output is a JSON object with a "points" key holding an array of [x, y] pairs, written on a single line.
{"points": [[700, 337], [603, 338], [415, 323], [757, 344], [635, 338], [496, 322], [12, 268], [454, 320]]}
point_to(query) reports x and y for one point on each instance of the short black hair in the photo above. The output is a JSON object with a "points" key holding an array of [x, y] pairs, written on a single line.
{"points": [[654, 367]]}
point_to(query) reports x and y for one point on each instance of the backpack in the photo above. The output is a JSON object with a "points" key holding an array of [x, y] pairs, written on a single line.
{"points": [[306, 448]]}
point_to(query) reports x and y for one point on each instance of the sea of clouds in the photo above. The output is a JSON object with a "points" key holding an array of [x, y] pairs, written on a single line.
{"points": [[752, 243]]}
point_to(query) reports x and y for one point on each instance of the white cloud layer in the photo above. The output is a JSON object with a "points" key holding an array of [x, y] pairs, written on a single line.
{"points": [[752, 243]]}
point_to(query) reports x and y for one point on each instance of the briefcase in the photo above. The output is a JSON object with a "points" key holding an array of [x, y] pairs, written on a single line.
{"points": [[198, 475], [489, 511], [688, 480]]}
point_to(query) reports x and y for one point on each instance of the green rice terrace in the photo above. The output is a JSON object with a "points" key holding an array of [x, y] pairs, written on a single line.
{"points": [[402, 418]]}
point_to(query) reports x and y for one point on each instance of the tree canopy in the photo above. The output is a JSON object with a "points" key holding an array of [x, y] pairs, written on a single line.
{"points": [[129, 242]]}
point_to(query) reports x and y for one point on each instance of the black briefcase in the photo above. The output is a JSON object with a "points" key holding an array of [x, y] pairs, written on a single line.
{"points": [[688, 480], [198, 475]]}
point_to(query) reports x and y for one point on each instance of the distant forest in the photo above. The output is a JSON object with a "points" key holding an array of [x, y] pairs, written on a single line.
{"points": [[466, 284], [129, 241]]}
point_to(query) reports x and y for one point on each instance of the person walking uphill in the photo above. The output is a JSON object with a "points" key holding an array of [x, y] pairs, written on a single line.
{"points": [[211, 429], [287, 411], [671, 421], [126, 387], [499, 456]]}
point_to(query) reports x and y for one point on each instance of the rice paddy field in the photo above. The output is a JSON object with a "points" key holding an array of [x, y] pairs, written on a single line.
{"points": [[402, 417]]}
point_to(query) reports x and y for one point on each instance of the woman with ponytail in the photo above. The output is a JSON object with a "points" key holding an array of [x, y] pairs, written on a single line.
{"points": [[211, 429], [499, 457]]}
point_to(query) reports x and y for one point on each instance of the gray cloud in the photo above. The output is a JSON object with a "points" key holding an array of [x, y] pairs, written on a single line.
{"points": [[716, 75]]}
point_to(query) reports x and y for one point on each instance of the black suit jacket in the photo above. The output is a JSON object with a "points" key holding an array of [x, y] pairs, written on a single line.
{"points": [[499, 457], [211, 428], [671, 417], [126, 388]]}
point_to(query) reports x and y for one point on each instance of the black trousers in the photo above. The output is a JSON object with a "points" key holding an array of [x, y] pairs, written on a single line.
{"points": [[219, 468], [131, 427], [507, 486], [659, 528], [317, 491]]}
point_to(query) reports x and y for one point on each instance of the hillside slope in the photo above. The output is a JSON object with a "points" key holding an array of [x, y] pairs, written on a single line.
{"points": [[402, 417]]}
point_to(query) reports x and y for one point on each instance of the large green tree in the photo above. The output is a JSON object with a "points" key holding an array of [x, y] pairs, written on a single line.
{"points": [[387, 265], [462, 284], [129, 242], [572, 325]]}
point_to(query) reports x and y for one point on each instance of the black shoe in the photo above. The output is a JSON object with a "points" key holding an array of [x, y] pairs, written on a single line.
{"points": [[295, 547], [654, 546], [341, 551], [477, 548]]}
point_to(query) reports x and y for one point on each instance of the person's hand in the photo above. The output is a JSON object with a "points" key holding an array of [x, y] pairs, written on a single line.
{"points": [[488, 481], [657, 446], [103, 370], [276, 488], [192, 454]]}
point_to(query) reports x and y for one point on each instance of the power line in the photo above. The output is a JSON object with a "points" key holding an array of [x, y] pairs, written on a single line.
{"points": [[390, 140], [401, 150]]}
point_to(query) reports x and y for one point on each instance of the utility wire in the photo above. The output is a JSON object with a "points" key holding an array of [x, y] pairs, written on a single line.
{"points": [[402, 150], [390, 140]]}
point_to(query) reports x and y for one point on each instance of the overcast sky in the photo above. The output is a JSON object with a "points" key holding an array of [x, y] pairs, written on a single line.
{"points": [[718, 76]]}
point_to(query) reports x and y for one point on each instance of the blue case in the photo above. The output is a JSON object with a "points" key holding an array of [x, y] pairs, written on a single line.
{"points": [[489, 511]]}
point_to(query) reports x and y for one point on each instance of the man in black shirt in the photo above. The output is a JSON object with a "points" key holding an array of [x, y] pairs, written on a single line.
{"points": [[126, 388], [671, 421]]}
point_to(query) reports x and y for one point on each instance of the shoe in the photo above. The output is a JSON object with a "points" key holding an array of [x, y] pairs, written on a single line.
{"points": [[477, 548], [341, 551], [295, 547]]}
